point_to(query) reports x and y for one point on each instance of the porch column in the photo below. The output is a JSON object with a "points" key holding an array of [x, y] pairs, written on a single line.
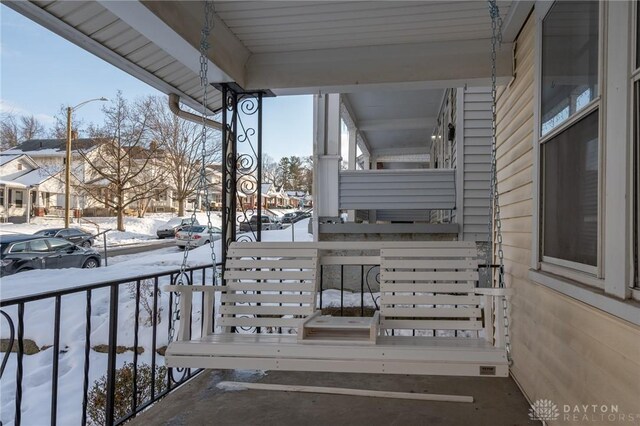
{"points": [[351, 165], [326, 154], [28, 209]]}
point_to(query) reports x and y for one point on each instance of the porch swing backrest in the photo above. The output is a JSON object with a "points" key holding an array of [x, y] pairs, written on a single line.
{"points": [[430, 288], [268, 287]]}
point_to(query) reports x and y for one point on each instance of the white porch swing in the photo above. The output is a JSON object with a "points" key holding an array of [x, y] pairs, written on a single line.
{"points": [[272, 288]]}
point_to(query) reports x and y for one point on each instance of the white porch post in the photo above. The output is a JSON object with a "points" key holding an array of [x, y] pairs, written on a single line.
{"points": [[28, 209], [353, 133], [326, 153]]}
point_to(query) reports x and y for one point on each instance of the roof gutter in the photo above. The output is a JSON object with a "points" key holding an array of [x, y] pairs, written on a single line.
{"points": [[174, 106]]}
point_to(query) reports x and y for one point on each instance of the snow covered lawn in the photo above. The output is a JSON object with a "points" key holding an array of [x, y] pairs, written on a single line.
{"points": [[137, 229]]}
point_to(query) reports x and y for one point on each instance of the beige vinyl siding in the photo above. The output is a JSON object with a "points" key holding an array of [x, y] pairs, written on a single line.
{"points": [[477, 162], [563, 349]]}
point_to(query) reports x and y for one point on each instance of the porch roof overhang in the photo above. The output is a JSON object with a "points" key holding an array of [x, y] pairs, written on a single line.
{"points": [[290, 47]]}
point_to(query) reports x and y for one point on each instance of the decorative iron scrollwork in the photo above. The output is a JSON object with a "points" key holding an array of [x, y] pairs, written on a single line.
{"points": [[242, 152], [9, 343]]}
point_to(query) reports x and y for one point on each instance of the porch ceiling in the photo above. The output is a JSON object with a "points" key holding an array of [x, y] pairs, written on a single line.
{"points": [[290, 47], [394, 122]]}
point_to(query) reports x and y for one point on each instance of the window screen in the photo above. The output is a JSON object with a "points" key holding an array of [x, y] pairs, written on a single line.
{"points": [[570, 193]]}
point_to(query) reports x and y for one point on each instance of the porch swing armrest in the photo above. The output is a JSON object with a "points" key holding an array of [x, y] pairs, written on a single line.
{"points": [[184, 331], [493, 291]]}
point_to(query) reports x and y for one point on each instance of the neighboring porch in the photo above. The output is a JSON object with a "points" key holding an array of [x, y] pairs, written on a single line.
{"points": [[497, 401]]}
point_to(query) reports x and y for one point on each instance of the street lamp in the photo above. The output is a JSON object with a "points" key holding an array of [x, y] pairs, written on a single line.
{"points": [[67, 183]]}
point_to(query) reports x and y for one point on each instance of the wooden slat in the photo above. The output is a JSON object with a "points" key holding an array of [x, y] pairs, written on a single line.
{"points": [[194, 288], [350, 260], [386, 275], [431, 325], [428, 252], [265, 310], [270, 275], [444, 299], [270, 263], [267, 286], [267, 298], [426, 288], [273, 252], [258, 322], [433, 312], [391, 263]]}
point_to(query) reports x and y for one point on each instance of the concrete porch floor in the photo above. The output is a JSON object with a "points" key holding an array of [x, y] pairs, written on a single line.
{"points": [[497, 401]]}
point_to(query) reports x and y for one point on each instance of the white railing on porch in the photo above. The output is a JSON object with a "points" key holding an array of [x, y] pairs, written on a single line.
{"points": [[414, 189]]}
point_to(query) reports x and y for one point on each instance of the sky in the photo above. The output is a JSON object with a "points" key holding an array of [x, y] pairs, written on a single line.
{"points": [[40, 72]]}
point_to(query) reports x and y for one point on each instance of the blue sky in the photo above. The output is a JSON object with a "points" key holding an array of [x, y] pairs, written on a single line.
{"points": [[40, 71]]}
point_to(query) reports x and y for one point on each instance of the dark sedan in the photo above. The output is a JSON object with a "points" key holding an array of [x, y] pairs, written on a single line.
{"points": [[292, 217], [26, 252], [76, 236]]}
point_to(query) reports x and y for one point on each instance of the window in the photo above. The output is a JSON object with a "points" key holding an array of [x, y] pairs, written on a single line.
{"points": [[569, 61], [570, 188], [20, 167], [570, 135], [18, 248], [1, 196], [19, 198], [636, 155], [58, 244], [38, 246]]}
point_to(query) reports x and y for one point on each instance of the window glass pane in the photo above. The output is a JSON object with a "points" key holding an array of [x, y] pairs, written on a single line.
{"points": [[19, 248], [58, 243], [38, 245], [636, 171], [569, 60], [570, 193]]}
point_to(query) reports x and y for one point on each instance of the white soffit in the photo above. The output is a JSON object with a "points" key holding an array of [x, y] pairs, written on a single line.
{"points": [[289, 46]]}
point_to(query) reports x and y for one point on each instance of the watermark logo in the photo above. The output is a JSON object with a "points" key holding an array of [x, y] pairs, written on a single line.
{"points": [[548, 411], [545, 410]]}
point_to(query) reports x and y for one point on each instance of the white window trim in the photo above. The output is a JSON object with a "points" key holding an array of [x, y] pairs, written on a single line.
{"points": [[610, 290], [635, 156]]}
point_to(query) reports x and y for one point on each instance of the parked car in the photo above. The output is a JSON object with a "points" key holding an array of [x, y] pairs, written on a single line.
{"points": [[76, 236], [170, 228], [26, 252], [292, 217], [305, 214], [268, 223], [199, 236]]}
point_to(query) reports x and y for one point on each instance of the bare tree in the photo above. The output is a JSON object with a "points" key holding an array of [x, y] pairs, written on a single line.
{"points": [[270, 172], [59, 129], [30, 128], [9, 130], [120, 162], [181, 143]]}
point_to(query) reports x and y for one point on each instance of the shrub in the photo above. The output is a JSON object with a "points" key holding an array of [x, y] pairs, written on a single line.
{"points": [[97, 398]]}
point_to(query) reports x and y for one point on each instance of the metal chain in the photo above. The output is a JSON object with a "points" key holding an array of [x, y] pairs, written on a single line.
{"points": [[494, 217], [202, 186]]}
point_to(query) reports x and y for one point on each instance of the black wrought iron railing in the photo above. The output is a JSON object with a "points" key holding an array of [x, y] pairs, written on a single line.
{"points": [[92, 354]]}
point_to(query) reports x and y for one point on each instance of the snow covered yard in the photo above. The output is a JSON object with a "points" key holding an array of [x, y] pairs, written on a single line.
{"points": [[137, 229], [39, 326]]}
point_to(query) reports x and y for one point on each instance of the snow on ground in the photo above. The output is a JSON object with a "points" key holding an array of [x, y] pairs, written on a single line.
{"points": [[39, 316], [137, 229]]}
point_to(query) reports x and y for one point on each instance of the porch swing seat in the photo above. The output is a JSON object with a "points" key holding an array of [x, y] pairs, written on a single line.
{"points": [[269, 301]]}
